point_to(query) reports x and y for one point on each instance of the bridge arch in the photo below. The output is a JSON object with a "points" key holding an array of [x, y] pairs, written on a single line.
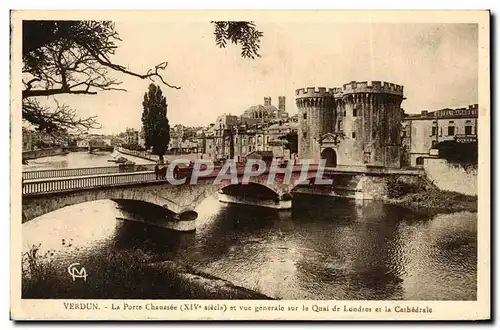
{"points": [[35, 206], [255, 189]]}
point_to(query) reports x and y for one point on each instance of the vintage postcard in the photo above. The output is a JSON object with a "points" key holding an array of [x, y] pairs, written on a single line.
{"points": [[273, 165]]}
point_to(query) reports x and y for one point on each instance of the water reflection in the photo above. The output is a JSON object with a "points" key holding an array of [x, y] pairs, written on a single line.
{"points": [[323, 248]]}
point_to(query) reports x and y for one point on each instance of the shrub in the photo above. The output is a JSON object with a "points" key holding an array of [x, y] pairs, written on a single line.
{"points": [[396, 187]]}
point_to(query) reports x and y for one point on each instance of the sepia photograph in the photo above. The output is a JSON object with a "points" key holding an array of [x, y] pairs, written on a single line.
{"points": [[238, 165]]}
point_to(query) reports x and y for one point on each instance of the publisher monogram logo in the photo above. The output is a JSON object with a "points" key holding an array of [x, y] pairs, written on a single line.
{"points": [[77, 273]]}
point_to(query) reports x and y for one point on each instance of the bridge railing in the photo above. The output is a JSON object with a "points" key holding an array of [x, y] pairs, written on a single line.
{"points": [[68, 184], [83, 171]]}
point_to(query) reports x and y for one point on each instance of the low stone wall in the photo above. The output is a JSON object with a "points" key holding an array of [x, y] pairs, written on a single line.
{"points": [[451, 177], [139, 154], [33, 154]]}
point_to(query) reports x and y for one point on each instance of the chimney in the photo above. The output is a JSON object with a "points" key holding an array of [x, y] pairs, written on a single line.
{"points": [[267, 100], [281, 103]]}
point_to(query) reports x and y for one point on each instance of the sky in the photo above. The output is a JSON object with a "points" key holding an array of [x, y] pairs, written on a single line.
{"points": [[436, 63]]}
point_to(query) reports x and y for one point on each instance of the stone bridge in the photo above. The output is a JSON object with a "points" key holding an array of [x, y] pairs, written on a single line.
{"points": [[41, 196]]}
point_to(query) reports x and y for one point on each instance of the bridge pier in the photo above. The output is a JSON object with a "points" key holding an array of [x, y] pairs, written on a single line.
{"points": [[282, 202], [185, 220]]}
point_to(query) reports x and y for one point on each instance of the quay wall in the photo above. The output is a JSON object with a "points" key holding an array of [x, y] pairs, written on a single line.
{"points": [[33, 154], [451, 177]]}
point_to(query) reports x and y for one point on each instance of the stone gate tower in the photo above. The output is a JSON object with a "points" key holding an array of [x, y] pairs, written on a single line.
{"points": [[316, 117], [358, 124]]}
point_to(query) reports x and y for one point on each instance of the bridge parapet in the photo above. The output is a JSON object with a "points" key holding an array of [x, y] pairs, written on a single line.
{"points": [[77, 183]]}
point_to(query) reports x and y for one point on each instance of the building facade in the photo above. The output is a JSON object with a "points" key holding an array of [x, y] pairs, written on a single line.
{"points": [[235, 137], [358, 124], [132, 136], [223, 137], [423, 131]]}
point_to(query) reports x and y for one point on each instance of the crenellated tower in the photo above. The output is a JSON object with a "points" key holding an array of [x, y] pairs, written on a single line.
{"points": [[316, 118], [372, 123], [358, 124]]}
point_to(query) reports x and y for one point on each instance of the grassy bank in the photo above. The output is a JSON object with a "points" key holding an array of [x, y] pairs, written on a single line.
{"points": [[423, 198], [128, 274]]}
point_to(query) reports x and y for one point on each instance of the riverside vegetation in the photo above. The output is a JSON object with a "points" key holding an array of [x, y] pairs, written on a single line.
{"points": [[426, 199], [126, 274]]}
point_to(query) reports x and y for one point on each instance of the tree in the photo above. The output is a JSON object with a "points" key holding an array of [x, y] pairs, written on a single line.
{"points": [[458, 153], [154, 121], [243, 33], [75, 57], [292, 141]]}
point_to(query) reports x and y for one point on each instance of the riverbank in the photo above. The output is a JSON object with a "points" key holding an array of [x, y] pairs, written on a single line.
{"points": [[425, 199], [34, 154], [126, 274], [154, 158], [139, 154]]}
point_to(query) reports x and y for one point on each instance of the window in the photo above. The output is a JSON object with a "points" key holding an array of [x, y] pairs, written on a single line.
{"points": [[366, 158], [420, 161], [353, 134], [344, 113], [434, 131], [433, 143], [304, 134], [451, 130], [304, 115], [340, 125], [468, 129], [354, 112], [236, 140]]}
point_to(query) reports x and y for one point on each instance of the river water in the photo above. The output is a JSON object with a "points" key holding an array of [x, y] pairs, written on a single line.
{"points": [[78, 159], [323, 248]]}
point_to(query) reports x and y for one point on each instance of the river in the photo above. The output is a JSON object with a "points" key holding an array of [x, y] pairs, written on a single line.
{"points": [[323, 248], [78, 159]]}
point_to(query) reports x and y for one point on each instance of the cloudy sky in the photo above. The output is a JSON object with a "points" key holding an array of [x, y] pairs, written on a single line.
{"points": [[436, 63]]}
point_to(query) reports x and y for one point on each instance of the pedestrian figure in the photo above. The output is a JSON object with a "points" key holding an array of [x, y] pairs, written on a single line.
{"points": [[160, 170], [176, 172]]}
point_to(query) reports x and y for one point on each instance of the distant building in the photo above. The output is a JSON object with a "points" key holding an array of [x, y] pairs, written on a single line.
{"points": [[27, 139], [275, 138], [423, 131], [223, 139], [131, 136], [267, 111], [245, 140]]}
